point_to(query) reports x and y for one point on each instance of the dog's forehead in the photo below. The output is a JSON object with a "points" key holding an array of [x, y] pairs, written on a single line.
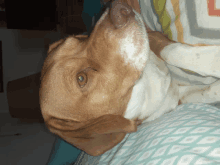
{"points": [[70, 48]]}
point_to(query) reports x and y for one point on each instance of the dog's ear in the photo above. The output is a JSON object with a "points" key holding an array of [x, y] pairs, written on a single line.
{"points": [[95, 136], [54, 45], [57, 43]]}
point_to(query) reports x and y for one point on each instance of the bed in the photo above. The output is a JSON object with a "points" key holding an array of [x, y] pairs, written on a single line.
{"points": [[191, 133]]}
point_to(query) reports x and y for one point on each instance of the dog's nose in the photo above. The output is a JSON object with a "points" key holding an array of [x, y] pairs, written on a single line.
{"points": [[120, 13]]}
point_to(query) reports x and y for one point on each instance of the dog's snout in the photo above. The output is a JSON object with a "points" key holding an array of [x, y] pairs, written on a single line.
{"points": [[120, 14]]}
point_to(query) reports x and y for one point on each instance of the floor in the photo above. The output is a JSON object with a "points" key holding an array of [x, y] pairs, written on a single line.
{"points": [[23, 143]]}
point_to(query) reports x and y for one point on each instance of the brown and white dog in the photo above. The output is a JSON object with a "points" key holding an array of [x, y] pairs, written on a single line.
{"points": [[96, 89]]}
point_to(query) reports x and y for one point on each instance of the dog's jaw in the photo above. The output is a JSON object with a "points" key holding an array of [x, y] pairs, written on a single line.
{"points": [[152, 96]]}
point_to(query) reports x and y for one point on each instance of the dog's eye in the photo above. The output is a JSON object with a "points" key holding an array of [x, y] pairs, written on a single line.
{"points": [[82, 79]]}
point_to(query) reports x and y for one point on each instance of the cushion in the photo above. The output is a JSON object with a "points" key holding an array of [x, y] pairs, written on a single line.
{"points": [[192, 22], [188, 135]]}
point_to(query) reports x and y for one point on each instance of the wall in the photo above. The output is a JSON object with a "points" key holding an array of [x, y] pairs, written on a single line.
{"points": [[23, 54]]}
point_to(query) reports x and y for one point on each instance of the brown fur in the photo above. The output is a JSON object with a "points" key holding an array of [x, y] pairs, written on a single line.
{"points": [[89, 117]]}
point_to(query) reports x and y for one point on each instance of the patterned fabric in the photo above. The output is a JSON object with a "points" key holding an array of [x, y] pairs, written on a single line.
{"points": [[189, 135], [185, 21]]}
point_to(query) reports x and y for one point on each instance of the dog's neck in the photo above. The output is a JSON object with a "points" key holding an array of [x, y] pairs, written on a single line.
{"points": [[151, 91]]}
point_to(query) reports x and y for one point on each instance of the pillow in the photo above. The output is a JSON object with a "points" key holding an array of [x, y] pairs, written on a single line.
{"points": [[63, 153], [188, 135], [190, 22]]}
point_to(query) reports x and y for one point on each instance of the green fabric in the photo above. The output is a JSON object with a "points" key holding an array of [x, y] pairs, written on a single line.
{"points": [[164, 17], [63, 153]]}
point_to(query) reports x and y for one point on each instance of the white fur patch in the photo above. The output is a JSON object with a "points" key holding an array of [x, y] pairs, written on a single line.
{"points": [[152, 92]]}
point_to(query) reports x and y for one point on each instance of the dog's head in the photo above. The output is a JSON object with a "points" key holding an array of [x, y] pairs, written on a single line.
{"points": [[87, 82]]}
